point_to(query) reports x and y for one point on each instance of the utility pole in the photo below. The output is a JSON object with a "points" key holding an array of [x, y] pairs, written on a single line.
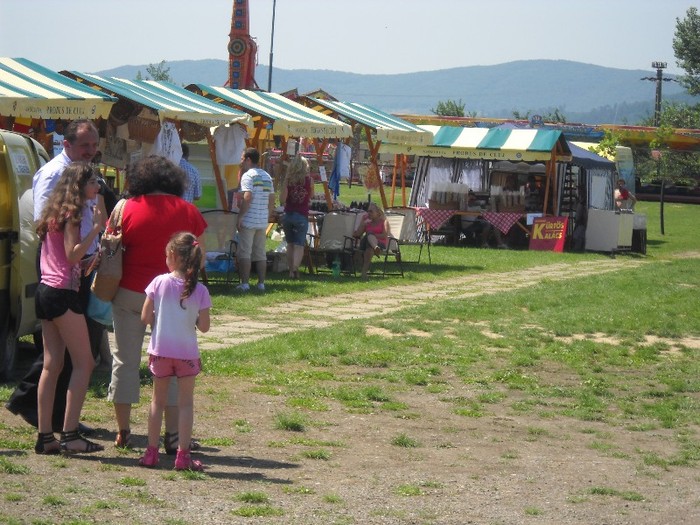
{"points": [[272, 43], [659, 78]]}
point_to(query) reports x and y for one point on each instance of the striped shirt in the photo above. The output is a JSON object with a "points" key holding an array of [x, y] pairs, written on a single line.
{"points": [[259, 183]]}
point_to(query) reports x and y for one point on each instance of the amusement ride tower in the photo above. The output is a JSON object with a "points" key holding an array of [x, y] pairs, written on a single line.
{"points": [[242, 49]]}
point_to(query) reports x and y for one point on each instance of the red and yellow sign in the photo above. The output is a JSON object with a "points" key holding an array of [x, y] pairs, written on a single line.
{"points": [[548, 233]]}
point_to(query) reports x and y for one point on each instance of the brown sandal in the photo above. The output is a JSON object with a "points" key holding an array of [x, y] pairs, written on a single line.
{"points": [[123, 439]]}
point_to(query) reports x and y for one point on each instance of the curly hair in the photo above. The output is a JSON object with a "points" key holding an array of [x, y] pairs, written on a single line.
{"points": [[188, 254], [65, 204], [154, 174], [297, 171]]}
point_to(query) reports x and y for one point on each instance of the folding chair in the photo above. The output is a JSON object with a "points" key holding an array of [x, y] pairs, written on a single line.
{"points": [[220, 244], [334, 242], [406, 229]]}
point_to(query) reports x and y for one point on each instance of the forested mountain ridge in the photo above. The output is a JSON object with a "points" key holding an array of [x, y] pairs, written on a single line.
{"points": [[581, 92]]}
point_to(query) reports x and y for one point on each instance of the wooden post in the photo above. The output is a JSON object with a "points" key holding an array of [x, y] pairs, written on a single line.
{"points": [[394, 173], [320, 146], [373, 153]]}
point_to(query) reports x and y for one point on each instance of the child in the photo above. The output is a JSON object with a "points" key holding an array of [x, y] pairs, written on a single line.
{"points": [[175, 304], [58, 305]]}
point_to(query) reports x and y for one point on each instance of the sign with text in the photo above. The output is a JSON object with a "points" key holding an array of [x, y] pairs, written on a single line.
{"points": [[548, 233]]}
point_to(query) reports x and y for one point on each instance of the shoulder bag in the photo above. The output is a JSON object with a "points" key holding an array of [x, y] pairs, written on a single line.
{"points": [[109, 261]]}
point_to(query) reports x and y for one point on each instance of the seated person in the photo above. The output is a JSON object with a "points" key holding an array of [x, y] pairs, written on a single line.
{"points": [[624, 199], [374, 232]]}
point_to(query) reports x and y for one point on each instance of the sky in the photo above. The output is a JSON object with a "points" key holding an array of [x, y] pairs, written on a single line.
{"points": [[357, 36]]}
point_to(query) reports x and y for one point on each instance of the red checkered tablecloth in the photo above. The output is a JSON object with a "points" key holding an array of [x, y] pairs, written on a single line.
{"points": [[504, 221], [435, 218]]}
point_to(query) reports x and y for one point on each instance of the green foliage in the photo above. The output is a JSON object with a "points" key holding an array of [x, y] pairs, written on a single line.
{"points": [[686, 47], [158, 72], [292, 422], [606, 147], [449, 108], [404, 441]]}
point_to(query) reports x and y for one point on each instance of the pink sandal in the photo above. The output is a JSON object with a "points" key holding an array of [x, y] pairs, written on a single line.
{"points": [[150, 458], [184, 461]]}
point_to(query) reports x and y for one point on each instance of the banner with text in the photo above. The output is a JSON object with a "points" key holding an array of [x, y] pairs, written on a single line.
{"points": [[548, 233]]}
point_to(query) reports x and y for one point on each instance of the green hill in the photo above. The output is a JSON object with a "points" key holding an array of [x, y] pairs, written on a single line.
{"points": [[582, 92]]}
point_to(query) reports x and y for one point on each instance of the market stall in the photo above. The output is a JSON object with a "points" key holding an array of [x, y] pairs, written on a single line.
{"points": [[461, 159], [277, 116], [143, 109], [31, 96], [380, 127], [479, 146]]}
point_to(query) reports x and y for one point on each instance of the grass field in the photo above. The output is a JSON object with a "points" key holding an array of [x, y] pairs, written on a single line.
{"points": [[571, 400]]}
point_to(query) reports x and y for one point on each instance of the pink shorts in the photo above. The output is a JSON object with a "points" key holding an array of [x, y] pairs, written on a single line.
{"points": [[169, 366]]}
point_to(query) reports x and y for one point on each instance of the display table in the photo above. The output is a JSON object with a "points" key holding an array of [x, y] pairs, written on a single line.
{"points": [[433, 218], [504, 221]]}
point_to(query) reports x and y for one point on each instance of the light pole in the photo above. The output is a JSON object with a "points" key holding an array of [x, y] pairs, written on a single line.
{"points": [[659, 78], [272, 43]]}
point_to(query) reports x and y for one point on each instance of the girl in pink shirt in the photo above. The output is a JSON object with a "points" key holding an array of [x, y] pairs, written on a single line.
{"points": [[59, 307], [176, 304]]}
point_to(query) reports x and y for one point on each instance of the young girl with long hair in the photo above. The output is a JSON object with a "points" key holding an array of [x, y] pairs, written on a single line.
{"points": [[176, 305], [295, 195], [58, 306]]}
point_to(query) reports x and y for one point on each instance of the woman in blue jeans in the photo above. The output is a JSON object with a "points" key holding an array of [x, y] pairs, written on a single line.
{"points": [[296, 192]]}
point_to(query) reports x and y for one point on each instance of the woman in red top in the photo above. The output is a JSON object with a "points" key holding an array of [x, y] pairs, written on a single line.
{"points": [[151, 215], [376, 233]]}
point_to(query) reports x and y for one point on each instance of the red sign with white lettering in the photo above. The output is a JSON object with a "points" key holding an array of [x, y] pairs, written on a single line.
{"points": [[548, 233]]}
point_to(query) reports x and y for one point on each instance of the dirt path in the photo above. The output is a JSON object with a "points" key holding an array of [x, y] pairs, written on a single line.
{"points": [[321, 312]]}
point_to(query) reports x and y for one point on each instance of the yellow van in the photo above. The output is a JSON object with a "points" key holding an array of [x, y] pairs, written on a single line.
{"points": [[20, 158]]}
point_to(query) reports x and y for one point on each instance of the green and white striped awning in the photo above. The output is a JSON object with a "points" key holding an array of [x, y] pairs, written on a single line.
{"points": [[286, 117], [388, 128], [30, 90], [167, 100], [530, 145]]}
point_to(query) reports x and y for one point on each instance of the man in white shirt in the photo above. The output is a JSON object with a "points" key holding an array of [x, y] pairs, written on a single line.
{"points": [[256, 208]]}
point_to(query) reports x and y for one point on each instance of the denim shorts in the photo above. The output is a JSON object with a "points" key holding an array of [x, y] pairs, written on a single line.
{"points": [[295, 226]]}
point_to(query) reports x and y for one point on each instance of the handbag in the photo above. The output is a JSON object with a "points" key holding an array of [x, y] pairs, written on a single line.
{"points": [[109, 260]]}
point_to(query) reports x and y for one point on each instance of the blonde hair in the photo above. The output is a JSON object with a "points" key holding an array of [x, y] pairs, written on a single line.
{"points": [[376, 207], [297, 171]]}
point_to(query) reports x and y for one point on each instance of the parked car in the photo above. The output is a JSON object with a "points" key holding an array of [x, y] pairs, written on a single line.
{"points": [[20, 158]]}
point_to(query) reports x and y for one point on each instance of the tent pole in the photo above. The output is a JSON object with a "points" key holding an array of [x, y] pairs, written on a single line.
{"points": [[320, 146], [373, 153], [404, 167], [394, 173]]}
